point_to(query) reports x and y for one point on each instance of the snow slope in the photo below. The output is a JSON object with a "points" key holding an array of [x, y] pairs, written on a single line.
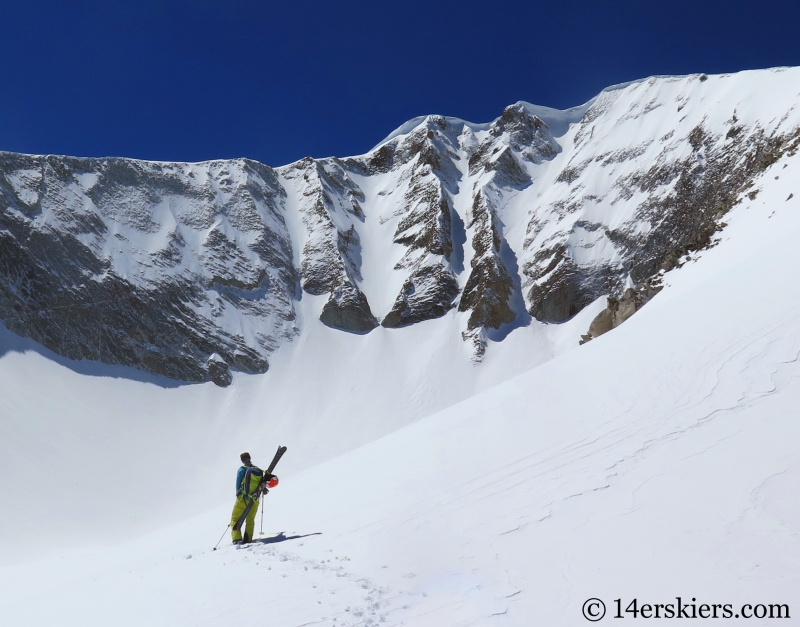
{"points": [[329, 393], [656, 461]]}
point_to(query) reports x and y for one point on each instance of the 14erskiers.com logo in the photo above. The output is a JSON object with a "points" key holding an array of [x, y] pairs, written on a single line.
{"points": [[594, 610]]}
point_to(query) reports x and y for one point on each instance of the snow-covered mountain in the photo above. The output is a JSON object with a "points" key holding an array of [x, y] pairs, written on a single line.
{"points": [[455, 456], [193, 270]]}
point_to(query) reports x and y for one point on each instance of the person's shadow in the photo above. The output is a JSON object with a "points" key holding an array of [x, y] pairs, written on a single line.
{"points": [[282, 537]]}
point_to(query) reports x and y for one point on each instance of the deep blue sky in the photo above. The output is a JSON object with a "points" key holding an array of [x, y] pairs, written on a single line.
{"points": [[275, 81]]}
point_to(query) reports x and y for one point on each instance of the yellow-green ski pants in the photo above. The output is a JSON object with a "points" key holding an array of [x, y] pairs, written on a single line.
{"points": [[250, 521]]}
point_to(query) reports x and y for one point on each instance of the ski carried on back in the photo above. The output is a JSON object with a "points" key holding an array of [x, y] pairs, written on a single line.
{"points": [[276, 459], [254, 485], [268, 480]]}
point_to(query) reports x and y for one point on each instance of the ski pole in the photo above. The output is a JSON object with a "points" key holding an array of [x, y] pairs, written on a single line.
{"points": [[262, 514], [223, 535]]}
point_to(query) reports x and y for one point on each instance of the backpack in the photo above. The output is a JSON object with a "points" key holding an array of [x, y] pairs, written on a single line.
{"points": [[251, 481]]}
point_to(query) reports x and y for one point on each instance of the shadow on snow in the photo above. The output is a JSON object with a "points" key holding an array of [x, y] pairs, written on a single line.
{"points": [[282, 537]]}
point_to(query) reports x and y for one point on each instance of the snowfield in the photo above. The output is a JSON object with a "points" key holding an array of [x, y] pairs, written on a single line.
{"points": [[659, 460]]}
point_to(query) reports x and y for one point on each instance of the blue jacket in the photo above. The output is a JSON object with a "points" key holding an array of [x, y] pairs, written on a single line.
{"points": [[240, 478]]}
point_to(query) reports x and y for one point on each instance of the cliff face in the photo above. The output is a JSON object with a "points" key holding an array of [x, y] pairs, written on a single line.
{"points": [[182, 270], [191, 270]]}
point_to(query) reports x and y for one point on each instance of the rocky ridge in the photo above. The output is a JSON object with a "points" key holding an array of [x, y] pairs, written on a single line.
{"points": [[425, 164], [498, 167], [331, 257], [193, 270]]}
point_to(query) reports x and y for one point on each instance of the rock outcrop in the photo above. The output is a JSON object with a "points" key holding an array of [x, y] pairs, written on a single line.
{"points": [[329, 202], [618, 310]]}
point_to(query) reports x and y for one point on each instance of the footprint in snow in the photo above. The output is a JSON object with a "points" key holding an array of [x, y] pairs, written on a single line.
{"points": [[340, 582]]}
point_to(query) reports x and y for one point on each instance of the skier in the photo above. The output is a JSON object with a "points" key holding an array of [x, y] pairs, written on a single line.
{"points": [[248, 482]]}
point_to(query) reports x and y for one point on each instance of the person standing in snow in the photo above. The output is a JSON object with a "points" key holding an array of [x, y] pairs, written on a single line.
{"points": [[248, 481]]}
